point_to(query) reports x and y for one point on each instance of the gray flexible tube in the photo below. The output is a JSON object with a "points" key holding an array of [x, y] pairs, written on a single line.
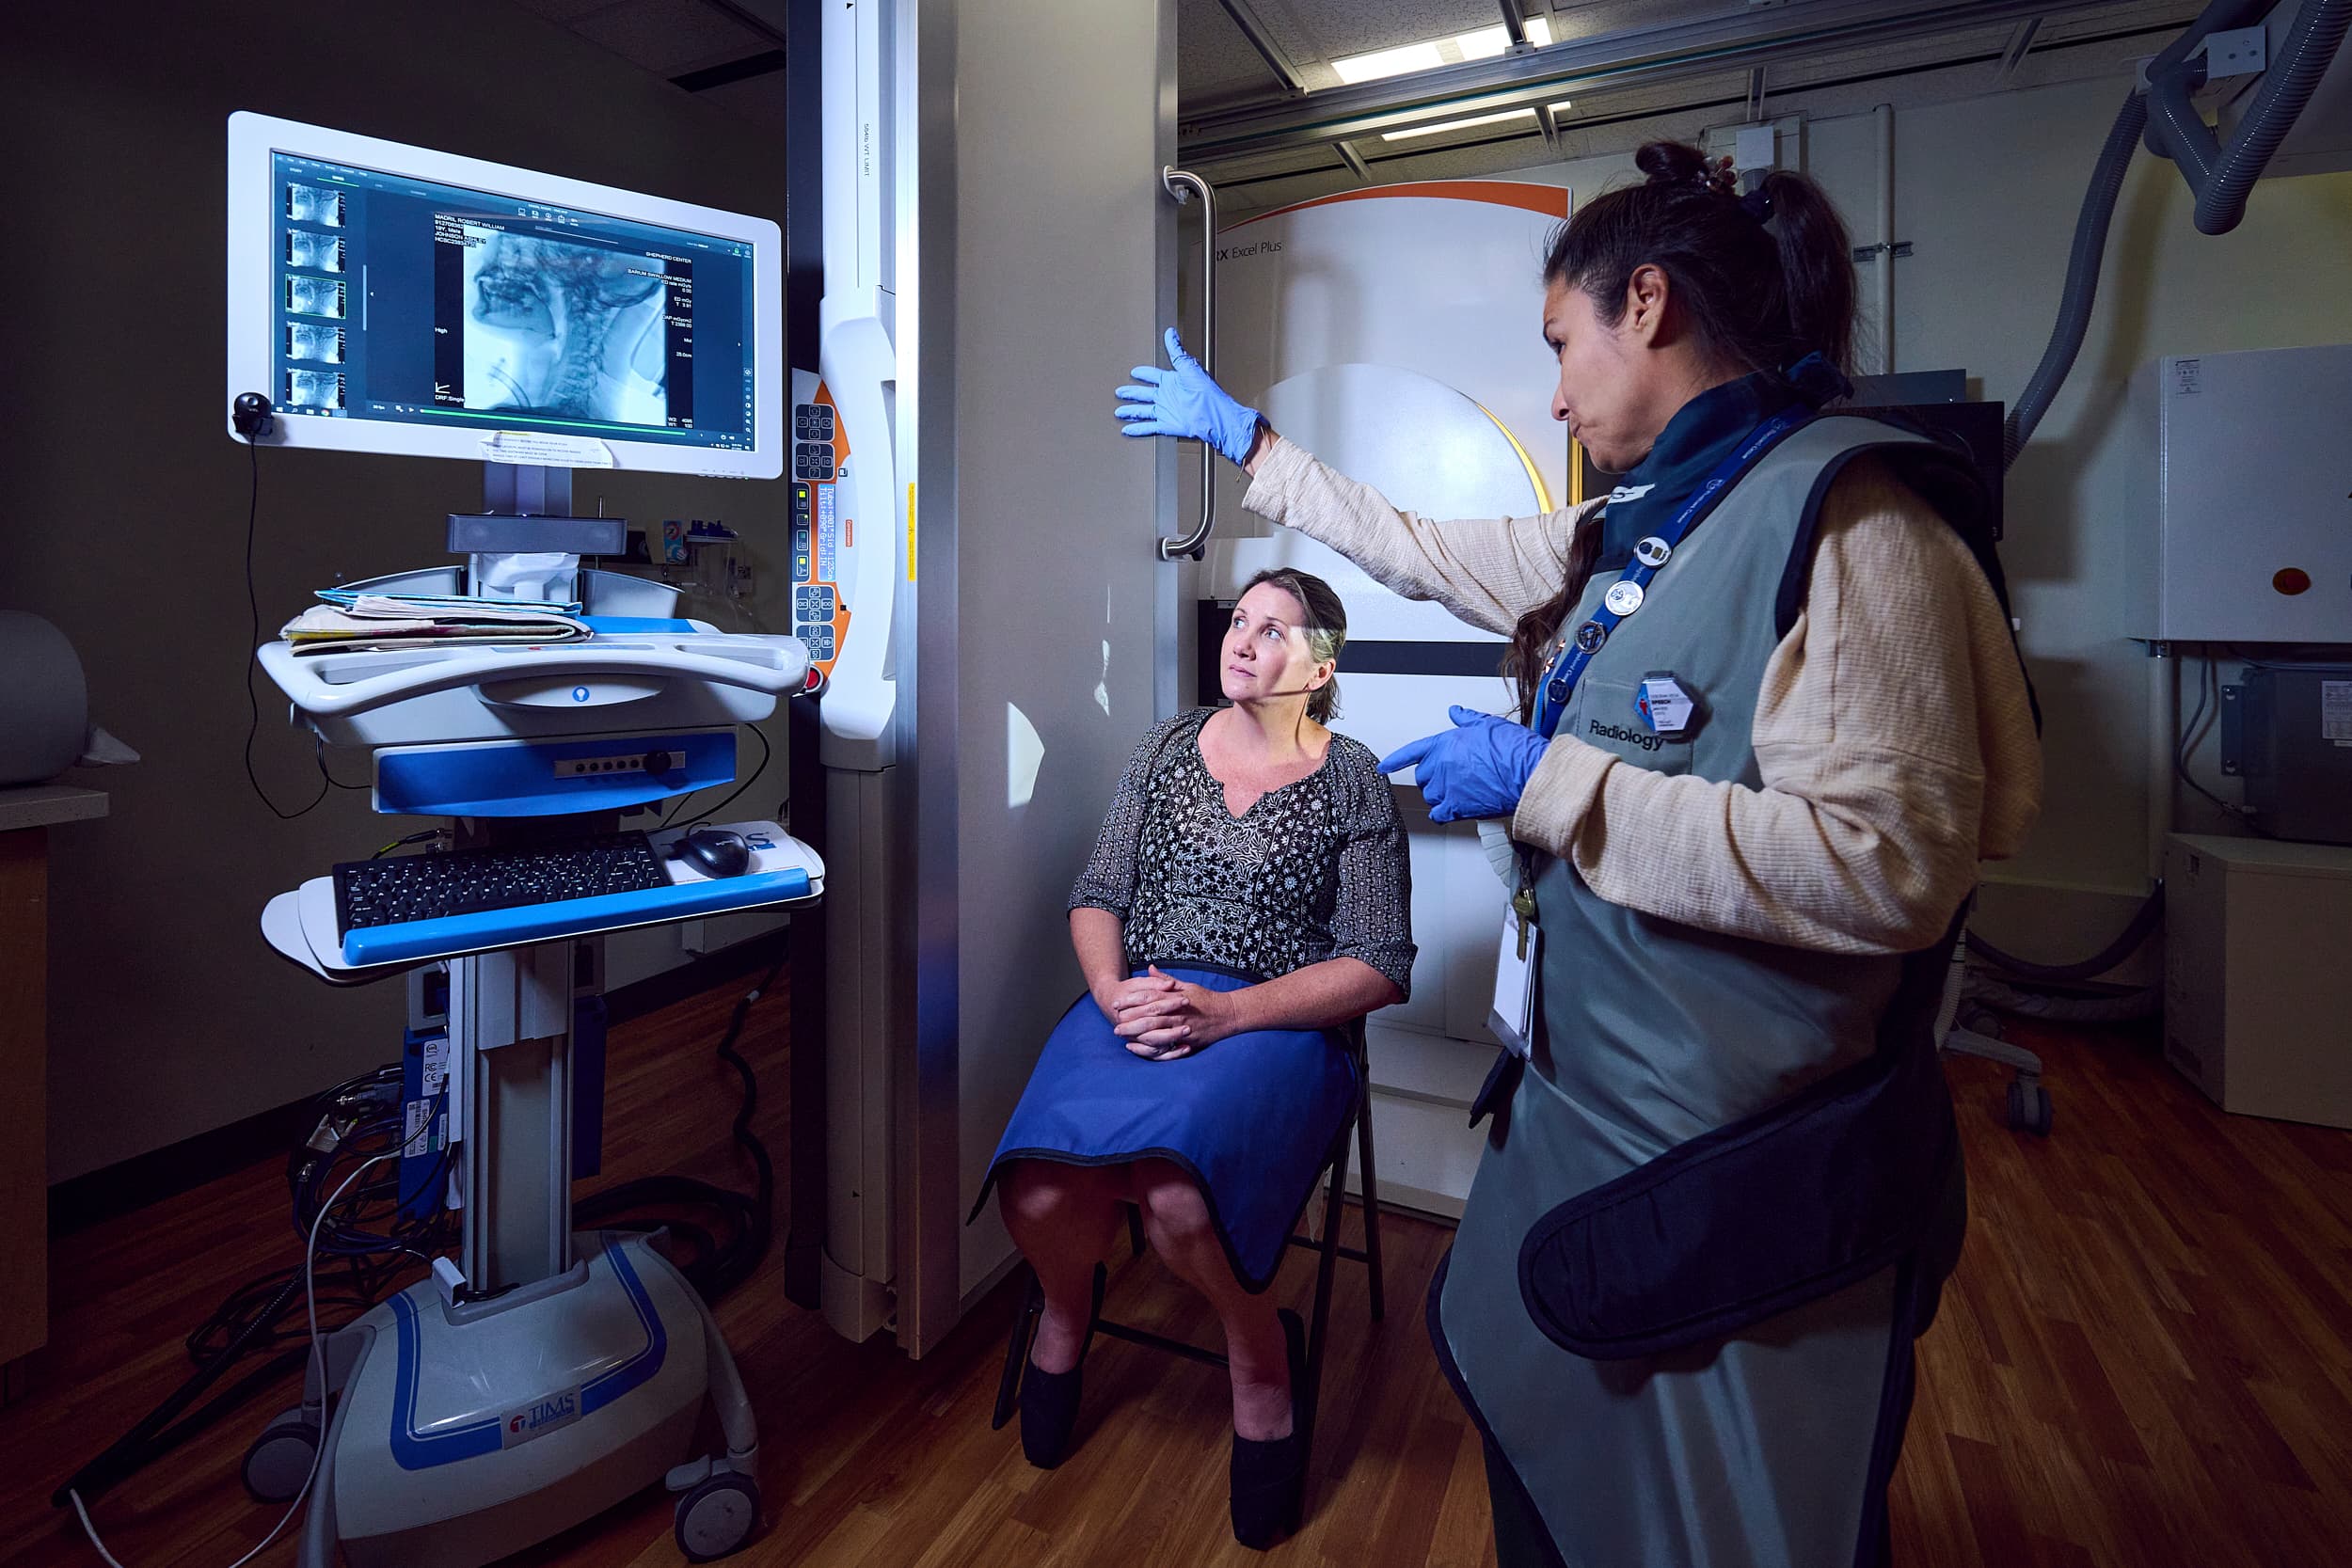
{"points": [[2082, 277], [2223, 178]]}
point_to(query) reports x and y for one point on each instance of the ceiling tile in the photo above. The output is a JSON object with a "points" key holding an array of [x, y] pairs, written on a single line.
{"points": [[569, 11], [670, 35], [1337, 28], [1215, 61]]}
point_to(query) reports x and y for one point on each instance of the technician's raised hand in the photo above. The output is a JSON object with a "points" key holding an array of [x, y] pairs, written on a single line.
{"points": [[1479, 767], [1183, 401], [1164, 1025]]}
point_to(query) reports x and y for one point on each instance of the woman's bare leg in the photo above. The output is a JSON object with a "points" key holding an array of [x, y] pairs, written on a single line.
{"points": [[1176, 1218], [1062, 1218]]}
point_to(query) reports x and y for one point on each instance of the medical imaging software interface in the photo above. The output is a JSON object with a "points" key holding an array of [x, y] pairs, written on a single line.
{"points": [[399, 299]]}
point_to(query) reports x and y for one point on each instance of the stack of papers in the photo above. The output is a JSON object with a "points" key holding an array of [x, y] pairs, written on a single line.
{"points": [[349, 621]]}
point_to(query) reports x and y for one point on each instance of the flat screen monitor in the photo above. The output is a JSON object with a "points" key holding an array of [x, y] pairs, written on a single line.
{"points": [[398, 300]]}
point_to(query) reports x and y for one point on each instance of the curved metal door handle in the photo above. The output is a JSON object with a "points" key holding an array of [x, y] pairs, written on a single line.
{"points": [[1183, 186]]}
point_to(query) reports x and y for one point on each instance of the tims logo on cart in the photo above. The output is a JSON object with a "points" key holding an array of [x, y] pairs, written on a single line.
{"points": [[539, 1417]]}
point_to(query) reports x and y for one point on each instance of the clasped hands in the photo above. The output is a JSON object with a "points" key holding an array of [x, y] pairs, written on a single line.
{"points": [[1162, 1018]]}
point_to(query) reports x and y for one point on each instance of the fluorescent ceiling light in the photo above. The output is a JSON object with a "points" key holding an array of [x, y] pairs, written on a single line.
{"points": [[1389, 62], [1482, 44], [1445, 126]]}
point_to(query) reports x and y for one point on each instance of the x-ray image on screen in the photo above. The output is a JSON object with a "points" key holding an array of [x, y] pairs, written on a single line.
{"points": [[315, 296], [314, 341], [311, 204], [322, 251], [314, 389], [563, 329]]}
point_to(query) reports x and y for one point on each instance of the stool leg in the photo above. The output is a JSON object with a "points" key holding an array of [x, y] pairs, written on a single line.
{"points": [[1326, 1266], [1017, 1351], [1368, 1179]]}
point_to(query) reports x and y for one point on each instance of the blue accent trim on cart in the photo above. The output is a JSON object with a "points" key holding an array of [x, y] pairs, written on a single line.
{"points": [[634, 626], [519, 779], [423, 1451], [486, 928], [609, 1385]]}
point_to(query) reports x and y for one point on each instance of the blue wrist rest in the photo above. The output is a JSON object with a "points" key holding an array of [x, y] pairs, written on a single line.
{"points": [[485, 929]]}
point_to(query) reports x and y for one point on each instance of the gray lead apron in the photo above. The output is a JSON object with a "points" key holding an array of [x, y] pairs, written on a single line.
{"points": [[1766, 1447]]}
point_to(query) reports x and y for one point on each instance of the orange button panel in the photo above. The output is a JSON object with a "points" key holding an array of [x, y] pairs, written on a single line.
{"points": [[820, 529]]}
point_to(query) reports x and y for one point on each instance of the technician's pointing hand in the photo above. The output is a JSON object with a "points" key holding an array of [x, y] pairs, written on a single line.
{"points": [[1478, 768], [1185, 401]]}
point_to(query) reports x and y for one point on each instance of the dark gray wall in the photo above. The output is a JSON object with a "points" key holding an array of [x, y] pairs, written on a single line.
{"points": [[127, 527]]}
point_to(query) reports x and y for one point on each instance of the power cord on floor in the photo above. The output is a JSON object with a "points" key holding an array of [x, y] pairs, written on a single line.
{"points": [[345, 1118], [720, 1266], [318, 1361], [372, 1246]]}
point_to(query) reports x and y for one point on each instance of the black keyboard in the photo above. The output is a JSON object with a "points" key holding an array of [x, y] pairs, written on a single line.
{"points": [[462, 882]]}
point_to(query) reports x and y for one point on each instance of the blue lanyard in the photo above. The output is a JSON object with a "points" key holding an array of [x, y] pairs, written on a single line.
{"points": [[1576, 651]]}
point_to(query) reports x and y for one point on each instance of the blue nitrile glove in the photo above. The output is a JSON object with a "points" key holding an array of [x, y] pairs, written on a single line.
{"points": [[1185, 401], [1478, 768]]}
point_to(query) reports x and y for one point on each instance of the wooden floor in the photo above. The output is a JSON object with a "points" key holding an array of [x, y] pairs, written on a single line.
{"points": [[2145, 1359]]}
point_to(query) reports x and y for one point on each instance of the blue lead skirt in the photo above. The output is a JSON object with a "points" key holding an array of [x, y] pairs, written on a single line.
{"points": [[1251, 1119]]}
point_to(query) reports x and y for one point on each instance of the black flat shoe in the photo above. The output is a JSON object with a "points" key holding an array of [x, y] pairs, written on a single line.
{"points": [[1269, 1479], [1049, 1412], [1049, 1401]]}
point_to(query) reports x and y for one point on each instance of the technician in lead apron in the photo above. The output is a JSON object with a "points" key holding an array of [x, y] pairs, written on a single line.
{"points": [[1770, 719]]}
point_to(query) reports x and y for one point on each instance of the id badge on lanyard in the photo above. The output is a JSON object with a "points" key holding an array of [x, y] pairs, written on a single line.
{"points": [[1631, 591], [1513, 1016]]}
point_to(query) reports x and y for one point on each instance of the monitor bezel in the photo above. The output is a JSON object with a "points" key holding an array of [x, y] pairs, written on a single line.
{"points": [[255, 139]]}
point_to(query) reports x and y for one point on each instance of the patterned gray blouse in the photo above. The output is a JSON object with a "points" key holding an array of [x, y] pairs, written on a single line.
{"points": [[1313, 870]]}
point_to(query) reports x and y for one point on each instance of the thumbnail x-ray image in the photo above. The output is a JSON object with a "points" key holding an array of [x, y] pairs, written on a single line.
{"points": [[314, 389], [309, 204], [322, 251], [571, 330], [314, 341], [315, 296]]}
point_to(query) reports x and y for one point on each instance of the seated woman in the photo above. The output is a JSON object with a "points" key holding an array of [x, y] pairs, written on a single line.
{"points": [[1249, 892]]}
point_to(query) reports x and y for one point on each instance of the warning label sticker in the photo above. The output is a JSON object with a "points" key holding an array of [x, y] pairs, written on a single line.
{"points": [[2335, 712]]}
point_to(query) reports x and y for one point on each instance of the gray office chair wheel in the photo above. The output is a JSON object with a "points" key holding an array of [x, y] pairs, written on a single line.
{"points": [[717, 1517], [2029, 1109], [280, 1461]]}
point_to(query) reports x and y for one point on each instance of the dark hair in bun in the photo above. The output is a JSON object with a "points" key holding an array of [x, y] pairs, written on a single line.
{"points": [[1763, 281]]}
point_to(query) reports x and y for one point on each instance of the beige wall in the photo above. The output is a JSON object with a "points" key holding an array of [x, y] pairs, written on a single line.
{"points": [[127, 502]]}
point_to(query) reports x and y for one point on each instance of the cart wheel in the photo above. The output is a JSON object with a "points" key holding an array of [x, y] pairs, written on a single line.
{"points": [[2029, 1108], [280, 1460], [717, 1517]]}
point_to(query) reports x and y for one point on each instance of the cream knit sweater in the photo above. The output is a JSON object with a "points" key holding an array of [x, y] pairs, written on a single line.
{"points": [[1893, 732]]}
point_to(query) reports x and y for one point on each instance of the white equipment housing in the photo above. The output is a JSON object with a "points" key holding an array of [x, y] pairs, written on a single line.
{"points": [[2238, 460], [1003, 629]]}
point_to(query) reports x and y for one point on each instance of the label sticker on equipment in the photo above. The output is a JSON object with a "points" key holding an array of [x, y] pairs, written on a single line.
{"points": [[539, 1417], [2188, 376], [828, 533], [2335, 712]]}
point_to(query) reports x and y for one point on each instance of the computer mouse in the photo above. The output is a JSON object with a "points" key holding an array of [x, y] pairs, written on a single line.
{"points": [[714, 851]]}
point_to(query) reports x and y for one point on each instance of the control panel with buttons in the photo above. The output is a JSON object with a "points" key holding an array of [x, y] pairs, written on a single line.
{"points": [[820, 453]]}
